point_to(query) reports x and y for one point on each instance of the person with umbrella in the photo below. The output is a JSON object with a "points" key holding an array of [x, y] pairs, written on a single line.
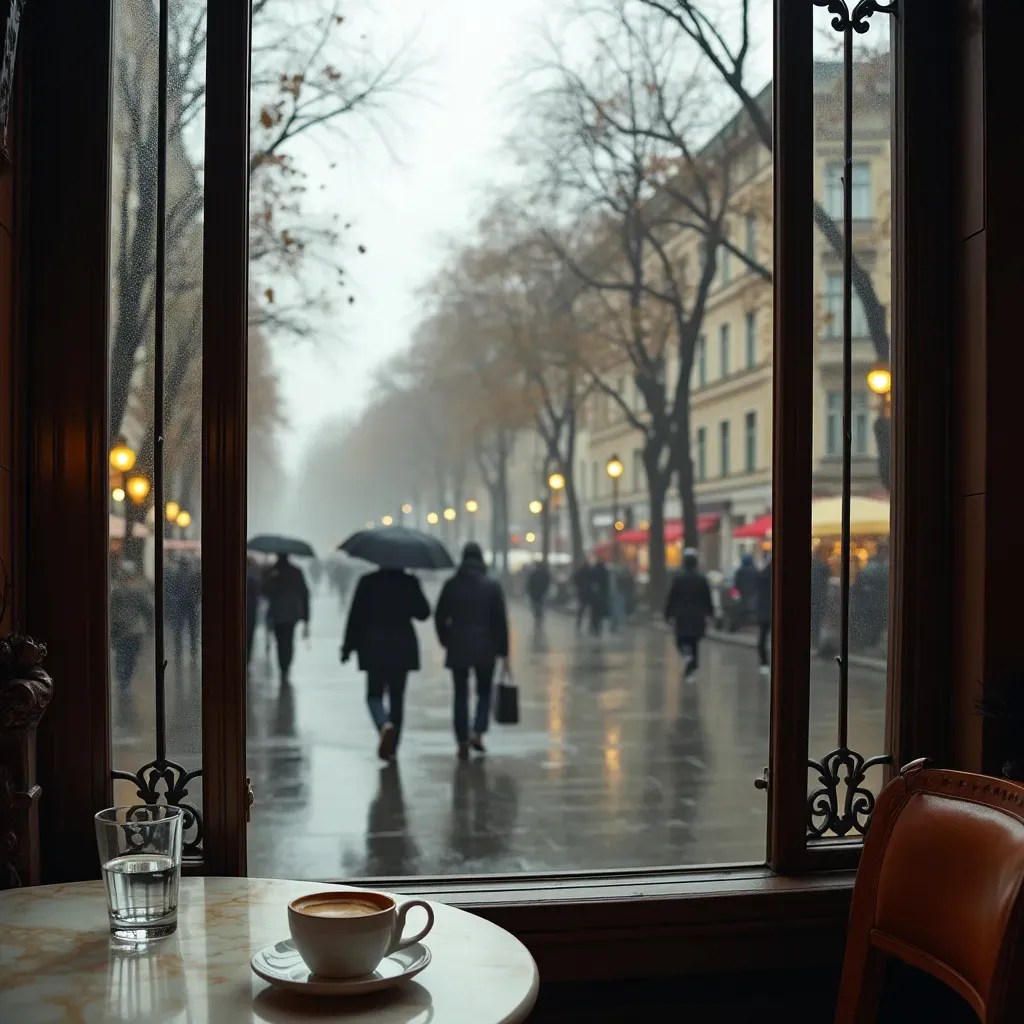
{"points": [[287, 597], [380, 632], [472, 627]]}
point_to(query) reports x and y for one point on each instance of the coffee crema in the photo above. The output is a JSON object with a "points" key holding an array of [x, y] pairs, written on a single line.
{"points": [[340, 908]]}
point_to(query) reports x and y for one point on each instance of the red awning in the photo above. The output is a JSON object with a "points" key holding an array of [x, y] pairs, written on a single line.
{"points": [[673, 531], [759, 528]]}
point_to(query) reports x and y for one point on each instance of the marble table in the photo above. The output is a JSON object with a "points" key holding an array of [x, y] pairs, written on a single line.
{"points": [[57, 963]]}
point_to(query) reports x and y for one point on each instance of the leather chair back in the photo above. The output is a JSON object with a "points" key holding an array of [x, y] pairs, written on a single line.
{"points": [[941, 887]]}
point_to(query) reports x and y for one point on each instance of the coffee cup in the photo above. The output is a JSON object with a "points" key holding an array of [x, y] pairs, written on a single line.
{"points": [[346, 934]]}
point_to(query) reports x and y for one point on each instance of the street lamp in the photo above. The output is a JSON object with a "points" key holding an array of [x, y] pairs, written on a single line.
{"points": [[880, 379], [406, 509], [432, 518], [614, 471], [184, 519], [449, 514], [530, 538], [118, 494], [122, 457], [536, 507], [138, 488], [472, 507], [386, 520], [557, 484], [171, 510]]}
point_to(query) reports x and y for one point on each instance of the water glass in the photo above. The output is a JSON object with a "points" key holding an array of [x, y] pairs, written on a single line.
{"points": [[140, 851]]}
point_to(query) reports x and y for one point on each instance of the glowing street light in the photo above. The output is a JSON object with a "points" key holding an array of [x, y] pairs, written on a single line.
{"points": [[432, 518], [614, 470], [880, 378], [386, 520], [184, 519], [118, 494], [531, 537], [556, 482], [449, 514], [406, 509], [138, 488], [472, 506], [122, 457], [536, 507], [171, 510]]}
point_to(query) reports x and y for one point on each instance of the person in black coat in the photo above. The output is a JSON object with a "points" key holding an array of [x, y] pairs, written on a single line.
{"points": [[764, 613], [472, 627], [688, 606], [537, 586], [253, 596], [599, 595], [380, 632], [287, 594]]}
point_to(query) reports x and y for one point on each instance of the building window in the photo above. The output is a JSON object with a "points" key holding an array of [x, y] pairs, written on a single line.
{"points": [[702, 362], [593, 480], [638, 466], [752, 236], [723, 349], [834, 310], [700, 469], [724, 441], [750, 442], [861, 410], [751, 340], [862, 202]]}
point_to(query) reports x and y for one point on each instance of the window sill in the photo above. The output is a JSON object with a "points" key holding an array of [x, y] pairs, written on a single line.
{"points": [[658, 924]]}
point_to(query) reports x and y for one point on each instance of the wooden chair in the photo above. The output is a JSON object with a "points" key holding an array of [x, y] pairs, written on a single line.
{"points": [[941, 887]]}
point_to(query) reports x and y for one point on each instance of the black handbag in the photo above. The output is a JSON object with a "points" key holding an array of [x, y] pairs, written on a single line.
{"points": [[506, 707]]}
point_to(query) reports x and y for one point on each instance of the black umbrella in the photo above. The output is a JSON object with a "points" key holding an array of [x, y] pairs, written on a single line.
{"points": [[275, 544], [397, 547]]}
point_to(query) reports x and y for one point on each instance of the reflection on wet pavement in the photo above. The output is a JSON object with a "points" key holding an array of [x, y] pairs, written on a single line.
{"points": [[617, 763]]}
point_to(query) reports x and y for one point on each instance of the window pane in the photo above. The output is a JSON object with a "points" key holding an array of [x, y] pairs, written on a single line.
{"points": [[869, 562], [441, 321], [137, 515]]}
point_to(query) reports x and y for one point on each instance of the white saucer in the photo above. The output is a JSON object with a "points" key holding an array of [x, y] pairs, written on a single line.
{"points": [[281, 965]]}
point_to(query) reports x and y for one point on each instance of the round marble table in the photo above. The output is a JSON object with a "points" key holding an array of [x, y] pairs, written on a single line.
{"points": [[57, 963]]}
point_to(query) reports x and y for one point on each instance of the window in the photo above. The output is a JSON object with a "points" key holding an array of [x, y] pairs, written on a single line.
{"points": [[700, 468], [750, 442], [723, 350], [861, 198], [702, 361], [724, 442], [861, 411], [751, 339], [834, 309], [751, 222], [594, 492], [638, 470]]}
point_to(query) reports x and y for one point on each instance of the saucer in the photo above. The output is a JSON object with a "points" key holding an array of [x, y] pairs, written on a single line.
{"points": [[281, 965]]}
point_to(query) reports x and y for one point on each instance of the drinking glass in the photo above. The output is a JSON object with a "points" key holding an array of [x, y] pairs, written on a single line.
{"points": [[140, 851]]}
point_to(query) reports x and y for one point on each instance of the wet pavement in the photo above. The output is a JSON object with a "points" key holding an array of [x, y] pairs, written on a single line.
{"points": [[616, 763]]}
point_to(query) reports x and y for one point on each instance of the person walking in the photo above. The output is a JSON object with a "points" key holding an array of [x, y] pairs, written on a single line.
{"points": [[537, 586], [253, 596], [764, 614], [581, 584], [131, 618], [472, 627], [821, 574], [688, 607], [600, 593], [287, 605], [745, 581], [380, 633]]}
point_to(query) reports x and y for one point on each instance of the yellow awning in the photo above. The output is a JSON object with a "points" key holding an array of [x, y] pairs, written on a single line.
{"points": [[867, 516]]}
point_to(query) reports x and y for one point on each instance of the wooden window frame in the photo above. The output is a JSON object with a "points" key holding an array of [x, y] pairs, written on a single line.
{"points": [[583, 925]]}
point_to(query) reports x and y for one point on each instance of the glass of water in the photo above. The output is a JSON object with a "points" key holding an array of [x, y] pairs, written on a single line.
{"points": [[140, 850]]}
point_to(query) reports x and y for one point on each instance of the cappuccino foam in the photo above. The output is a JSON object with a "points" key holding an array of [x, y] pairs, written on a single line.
{"points": [[340, 908]]}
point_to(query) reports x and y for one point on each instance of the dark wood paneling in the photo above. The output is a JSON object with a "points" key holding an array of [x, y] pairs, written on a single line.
{"points": [[970, 113], [66, 46], [793, 430], [225, 333]]}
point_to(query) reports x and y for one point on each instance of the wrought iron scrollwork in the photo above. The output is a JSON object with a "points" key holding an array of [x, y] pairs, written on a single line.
{"points": [[168, 780], [836, 768], [827, 813]]}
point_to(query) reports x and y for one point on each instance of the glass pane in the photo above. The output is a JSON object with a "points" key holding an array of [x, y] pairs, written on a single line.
{"points": [[448, 226], [138, 515], [869, 423]]}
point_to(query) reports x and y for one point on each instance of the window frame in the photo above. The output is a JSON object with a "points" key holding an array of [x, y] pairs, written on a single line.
{"points": [[724, 349], [750, 441], [731, 905], [724, 448], [750, 338]]}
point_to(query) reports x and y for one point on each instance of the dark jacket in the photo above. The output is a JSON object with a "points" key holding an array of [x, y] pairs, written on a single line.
{"points": [[287, 595], [380, 628], [599, 588], [688, 604], [539, 582], [471, 621], [745, 581], [764, 596]]}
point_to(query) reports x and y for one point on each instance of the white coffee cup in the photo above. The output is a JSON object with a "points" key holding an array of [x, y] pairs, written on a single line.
{"points": [[346, 934]]}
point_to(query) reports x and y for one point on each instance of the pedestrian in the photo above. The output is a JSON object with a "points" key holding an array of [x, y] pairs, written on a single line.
{"points": [[182, 590], [764, 614], [581, 584], [537, 586], [472, 627], [745, 580], [380, 633], [253, 596], [131, 618], [618, 582], [287, 605], [600, 593], [688, 606], [821, 574]]}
